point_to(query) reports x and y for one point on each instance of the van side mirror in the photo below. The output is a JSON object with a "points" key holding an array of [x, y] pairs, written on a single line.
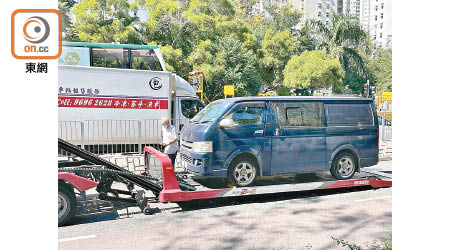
{"points": [[226, 123]]}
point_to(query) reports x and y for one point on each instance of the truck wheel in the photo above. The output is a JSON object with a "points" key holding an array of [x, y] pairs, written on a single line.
{"points": [[66, 204], [147, 211], [242, 172], [344, 166]]}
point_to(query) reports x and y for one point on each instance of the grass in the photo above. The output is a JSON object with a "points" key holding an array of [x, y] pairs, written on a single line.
{"points": [[383, 244]]}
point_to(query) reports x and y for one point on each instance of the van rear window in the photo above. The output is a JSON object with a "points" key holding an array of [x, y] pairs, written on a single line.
{"points": [[349, 114]]}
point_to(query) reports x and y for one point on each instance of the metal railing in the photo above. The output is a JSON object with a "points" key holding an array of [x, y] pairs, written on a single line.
{"points": [[114, 136], [385, 126]]}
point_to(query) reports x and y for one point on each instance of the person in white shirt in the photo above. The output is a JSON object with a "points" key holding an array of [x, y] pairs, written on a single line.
{"points": [[170, 139]]}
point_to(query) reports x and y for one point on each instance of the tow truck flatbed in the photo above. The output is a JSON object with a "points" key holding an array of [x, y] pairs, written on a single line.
{"points": [[171, 191], [160, 178]]}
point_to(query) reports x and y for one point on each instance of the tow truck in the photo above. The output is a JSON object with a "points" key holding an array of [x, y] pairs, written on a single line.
{"points": [[160, 178]]}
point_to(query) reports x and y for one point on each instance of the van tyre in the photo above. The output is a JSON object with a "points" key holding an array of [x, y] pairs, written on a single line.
{"points": [[66, 204], [242, 172], [344, 166]]}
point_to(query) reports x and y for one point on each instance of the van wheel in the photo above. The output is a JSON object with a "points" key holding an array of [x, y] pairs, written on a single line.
{"points": [[344, 166], [242, 172], [66, 204]]}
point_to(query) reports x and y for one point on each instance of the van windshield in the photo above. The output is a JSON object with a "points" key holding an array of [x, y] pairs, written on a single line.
{"points": [[210, 112]]}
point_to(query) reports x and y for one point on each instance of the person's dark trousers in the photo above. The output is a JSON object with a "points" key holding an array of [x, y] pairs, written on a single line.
{"points": [[172, 158]]}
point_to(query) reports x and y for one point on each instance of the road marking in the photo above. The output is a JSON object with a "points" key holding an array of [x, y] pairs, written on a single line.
{"points": [[377, 198], [77, 238]]}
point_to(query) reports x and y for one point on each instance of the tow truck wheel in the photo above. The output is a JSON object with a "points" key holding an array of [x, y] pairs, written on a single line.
{"points": [[147, 211], [66, 204], [344, 166], [242, 172]]}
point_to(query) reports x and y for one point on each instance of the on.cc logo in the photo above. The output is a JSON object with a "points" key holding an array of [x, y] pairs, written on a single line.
{"points": [[36, 29], [36, 34]]}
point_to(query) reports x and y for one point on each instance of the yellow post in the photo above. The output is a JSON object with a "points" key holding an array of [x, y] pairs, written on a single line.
{"points": [[201, 84]]}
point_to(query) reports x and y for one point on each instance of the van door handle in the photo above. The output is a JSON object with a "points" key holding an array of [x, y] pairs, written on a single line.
{"points": [[259, 132]]}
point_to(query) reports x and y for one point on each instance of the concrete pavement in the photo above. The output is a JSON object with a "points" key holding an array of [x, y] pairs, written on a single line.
{"points": [[287, 224]]}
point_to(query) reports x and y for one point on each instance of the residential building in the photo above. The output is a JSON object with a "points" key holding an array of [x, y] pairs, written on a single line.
{"points": [[351, 7], [312, 9], [321, 10], [376, 18]]}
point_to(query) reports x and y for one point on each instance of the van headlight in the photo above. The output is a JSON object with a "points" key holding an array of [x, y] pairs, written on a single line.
{"points": [[202, 146]]}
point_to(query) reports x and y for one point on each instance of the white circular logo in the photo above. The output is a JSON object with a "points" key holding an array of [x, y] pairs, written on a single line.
{"points": [[155, 83]]}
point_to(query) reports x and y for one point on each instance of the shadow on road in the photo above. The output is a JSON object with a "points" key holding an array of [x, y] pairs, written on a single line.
{"points": [[356, 222]]}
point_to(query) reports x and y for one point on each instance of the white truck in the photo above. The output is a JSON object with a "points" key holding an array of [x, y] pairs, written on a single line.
{"points": [[120, 103]]}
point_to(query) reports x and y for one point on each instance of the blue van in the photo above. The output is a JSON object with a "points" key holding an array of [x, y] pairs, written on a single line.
{"points": [[248, 137]]}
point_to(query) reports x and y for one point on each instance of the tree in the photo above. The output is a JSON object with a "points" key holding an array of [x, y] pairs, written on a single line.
{"points": [[105, 21], [174, 61], [277, 49], [182, 24], [312, 70], [283, 91], [282, 16], [203, 53], [343, 39], [353, 80], [275, 16], [306, 39], [192, 34], [65, 8], [166, 23], [380, 69], [232, 64]]}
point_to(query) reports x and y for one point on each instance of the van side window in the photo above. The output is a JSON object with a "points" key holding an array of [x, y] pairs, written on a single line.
{"points": [[300, 114], [248, 114], [349, 115]]}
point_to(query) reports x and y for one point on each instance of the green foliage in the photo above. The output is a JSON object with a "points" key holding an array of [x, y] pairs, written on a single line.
{"points": [[313, 70], [343, 39], [65, 8], [277, 49], [380, 69], [282, 17], [283, 91], [346, 41], [174, 60], [166, 22], [232, 64], [69, 3], [234, 45], [353, 80], [202, 54], [386, 244], [306, 39], [105, 21]]}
